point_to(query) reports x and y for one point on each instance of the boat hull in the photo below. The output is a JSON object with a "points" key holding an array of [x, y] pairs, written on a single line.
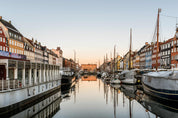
{"points": [[128, 77], [159, 93], [161, 86], [128, 81]]}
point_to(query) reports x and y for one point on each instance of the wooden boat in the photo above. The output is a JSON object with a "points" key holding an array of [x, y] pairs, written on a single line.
{"points": [[128, 76], [162, 84]]}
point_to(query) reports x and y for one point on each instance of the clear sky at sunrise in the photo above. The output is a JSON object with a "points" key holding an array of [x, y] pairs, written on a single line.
{"points": [[90, 27]]}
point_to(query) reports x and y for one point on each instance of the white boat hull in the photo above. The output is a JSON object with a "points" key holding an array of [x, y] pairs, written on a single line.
{"points": [[162, 87], [127, 77]]}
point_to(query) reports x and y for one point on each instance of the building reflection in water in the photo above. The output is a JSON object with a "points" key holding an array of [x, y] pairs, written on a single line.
{"points": [[46, 108], [119, 101], [89, 78], [68, 89]]}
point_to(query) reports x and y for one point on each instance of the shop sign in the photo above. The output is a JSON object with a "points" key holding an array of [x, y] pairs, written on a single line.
{"points": [[3, 53]]}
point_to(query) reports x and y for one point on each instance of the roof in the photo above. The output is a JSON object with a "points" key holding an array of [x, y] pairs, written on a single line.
{"points": [[9, 26], [30, 41], [167, 41]]}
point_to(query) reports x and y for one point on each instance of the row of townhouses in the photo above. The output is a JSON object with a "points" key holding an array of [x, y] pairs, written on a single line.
{"points": [[145, 57], [20, 56]]}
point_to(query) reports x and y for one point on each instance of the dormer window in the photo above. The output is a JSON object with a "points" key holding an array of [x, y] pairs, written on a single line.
{"points": [[0, 31], [10, 34]]}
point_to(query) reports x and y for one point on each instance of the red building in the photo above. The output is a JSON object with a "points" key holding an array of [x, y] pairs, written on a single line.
{"points": [[174, 50], [154, 56], [3, 41]]}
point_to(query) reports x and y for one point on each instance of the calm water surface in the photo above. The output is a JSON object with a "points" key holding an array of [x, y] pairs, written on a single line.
{"points": [[89, 97], [92, 98]]}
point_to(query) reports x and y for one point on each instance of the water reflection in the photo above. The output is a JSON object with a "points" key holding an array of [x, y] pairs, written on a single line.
{"points": [[45, 108], [161, 108], [94, 98]]}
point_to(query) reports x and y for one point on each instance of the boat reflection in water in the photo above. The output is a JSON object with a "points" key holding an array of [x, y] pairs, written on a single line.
{"points": [[45, 108], [162, 108], [129, 91]]}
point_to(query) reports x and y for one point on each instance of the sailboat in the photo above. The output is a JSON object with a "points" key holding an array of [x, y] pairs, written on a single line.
{"points": [[115, 79], [128, 76], [130, 92], [161, 84]]}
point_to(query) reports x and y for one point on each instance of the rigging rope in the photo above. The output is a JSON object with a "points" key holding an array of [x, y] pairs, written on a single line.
{"points": [[175, 17]]}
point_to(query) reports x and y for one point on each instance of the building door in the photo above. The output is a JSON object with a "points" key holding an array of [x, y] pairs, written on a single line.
{"points": [[2, 72]]}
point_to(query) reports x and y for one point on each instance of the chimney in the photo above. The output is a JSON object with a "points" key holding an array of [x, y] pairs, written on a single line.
{"points": [[176, 28], [10, 21], [146, 43], [0, 17], [58, 48]]}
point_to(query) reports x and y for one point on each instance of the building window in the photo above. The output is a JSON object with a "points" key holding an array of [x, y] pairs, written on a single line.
{"points": [[0, 39], [168, 61], [9, 49], [4, 40], [0, 31], [0, 47], [4, 48]]}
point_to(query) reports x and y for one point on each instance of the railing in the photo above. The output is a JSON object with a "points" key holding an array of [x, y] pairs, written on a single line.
{"points": [[10, 84], [13, 84]]}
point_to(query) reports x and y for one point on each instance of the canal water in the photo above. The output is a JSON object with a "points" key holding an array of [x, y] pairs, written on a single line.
{"points": [[92, 98], [89, 97]]}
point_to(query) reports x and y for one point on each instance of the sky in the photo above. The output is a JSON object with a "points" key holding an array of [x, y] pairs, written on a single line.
{"points": [[91, 28]]}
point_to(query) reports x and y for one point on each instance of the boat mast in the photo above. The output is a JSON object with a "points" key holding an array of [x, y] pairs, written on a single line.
{"points": [[130, 110], [130, 48], [114, 58], [157, 50], [104, 64]]}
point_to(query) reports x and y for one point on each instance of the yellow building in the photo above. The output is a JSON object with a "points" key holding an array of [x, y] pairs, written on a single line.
{"points": [[118, 62], [126, 61], [14, 37]]}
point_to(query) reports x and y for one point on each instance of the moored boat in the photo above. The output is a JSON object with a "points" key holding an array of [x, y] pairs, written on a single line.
{"points": [[162, 84], [128, 77]]}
